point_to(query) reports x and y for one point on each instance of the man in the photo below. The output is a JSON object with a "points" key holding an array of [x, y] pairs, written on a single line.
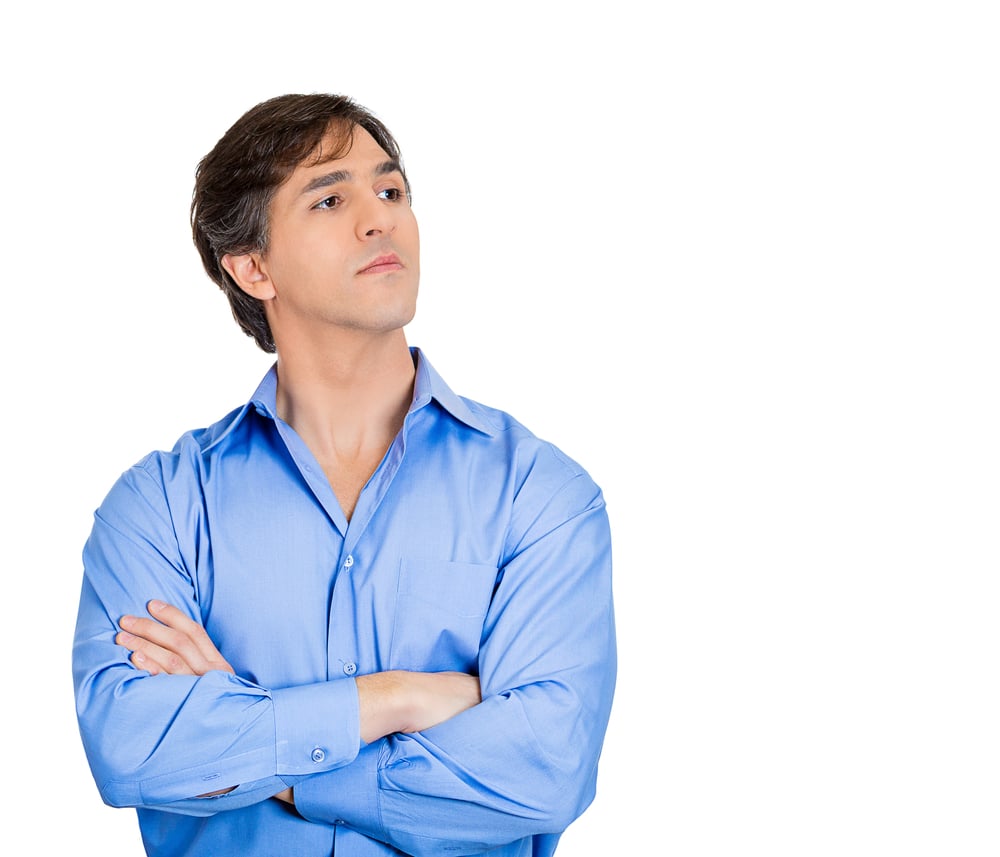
{"points": [[360, 614]]}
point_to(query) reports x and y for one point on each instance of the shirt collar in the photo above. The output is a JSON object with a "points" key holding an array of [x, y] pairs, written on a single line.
{"points": [[427, 385]]}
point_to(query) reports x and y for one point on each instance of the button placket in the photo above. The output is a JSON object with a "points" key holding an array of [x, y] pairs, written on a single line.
{"points": [[342, 647]]}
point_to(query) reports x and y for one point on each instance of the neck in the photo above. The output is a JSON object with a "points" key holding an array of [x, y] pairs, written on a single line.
{"points": [[349, 400]]}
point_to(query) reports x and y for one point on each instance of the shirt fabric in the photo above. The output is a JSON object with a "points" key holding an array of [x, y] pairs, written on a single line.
{"points": [[475, 546]]}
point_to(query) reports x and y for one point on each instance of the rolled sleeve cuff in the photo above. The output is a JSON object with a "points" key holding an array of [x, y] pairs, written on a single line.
{"points": [[316, 727], [348, 795]]}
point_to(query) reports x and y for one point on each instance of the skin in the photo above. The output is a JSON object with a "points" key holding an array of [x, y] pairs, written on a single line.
{"points": [[345, 382]]}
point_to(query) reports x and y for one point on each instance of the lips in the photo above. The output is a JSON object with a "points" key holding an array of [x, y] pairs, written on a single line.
{"points": [[382, 264]]}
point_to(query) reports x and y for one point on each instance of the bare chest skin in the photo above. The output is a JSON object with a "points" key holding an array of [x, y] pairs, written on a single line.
{"points": [[347, 476]]}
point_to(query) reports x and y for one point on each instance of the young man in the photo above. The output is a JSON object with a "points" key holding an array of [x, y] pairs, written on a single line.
{"points": [[360, 614]]}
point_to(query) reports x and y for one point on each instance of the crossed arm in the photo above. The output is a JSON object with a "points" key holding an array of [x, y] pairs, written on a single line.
{"points": [[388, 702], [521, 762]]}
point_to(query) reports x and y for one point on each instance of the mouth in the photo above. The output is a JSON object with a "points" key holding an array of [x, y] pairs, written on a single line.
{"points": [[382, 265]]}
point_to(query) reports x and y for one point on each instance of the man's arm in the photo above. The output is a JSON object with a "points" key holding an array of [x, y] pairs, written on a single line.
{"points": [[393, 701]]}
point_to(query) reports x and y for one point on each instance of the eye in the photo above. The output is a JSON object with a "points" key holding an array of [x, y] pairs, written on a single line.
{"points": [[328, 202], [392, 194]]}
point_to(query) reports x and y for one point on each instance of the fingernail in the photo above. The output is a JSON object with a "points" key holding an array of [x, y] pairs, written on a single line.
{"points": [[126, 621], [139, 658], [156, 606], [125, 637]]}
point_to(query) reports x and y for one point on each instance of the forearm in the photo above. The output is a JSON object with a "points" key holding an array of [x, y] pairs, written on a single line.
{"points": [[160, 741], [156, 741], [406, 701], [478, 781]]}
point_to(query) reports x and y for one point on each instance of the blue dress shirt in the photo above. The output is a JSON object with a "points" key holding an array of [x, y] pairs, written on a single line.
{"points": [[474, 546]]}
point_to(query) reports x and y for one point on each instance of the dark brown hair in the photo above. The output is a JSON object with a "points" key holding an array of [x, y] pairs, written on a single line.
{"points": [[236, 181]]}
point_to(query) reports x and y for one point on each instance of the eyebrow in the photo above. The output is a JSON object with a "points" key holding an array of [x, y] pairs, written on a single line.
{"points": [[338, 176]]}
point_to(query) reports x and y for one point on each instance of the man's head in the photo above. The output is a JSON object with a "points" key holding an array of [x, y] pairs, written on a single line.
{"points": [[236, 182]]}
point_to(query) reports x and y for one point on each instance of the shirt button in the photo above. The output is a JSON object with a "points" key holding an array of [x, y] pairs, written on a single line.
{"points": [[350, 668], [318, 754], [349, 561]]}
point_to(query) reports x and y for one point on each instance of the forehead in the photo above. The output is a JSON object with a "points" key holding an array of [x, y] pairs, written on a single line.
{"points": [[341, 149]]}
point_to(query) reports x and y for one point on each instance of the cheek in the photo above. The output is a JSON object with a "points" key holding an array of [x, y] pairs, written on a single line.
{"points": [[411, 236], [309, 253]]}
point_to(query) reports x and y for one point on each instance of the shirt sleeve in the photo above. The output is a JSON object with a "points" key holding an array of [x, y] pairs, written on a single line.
{"points": [[524, 761], [159, 741]]}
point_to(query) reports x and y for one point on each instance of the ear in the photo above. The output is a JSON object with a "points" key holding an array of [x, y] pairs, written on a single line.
{"points": [[247, 270]]}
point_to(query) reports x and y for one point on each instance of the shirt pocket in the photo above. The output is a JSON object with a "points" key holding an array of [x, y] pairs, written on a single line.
{"points": [[440, 610]]}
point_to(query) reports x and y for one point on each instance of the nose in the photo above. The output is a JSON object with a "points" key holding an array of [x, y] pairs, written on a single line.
{"points": [[376, 218]]}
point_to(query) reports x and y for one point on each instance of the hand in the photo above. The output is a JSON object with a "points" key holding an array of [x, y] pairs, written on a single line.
{"points": [[169, 643]]}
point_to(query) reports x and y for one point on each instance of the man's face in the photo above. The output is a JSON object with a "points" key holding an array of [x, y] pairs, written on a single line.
{"points": [[343, 250]]}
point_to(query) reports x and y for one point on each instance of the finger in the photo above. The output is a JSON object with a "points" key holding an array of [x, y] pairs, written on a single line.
{"points": [[181, 645], [210, 656], [152, 658], [175, 642]]}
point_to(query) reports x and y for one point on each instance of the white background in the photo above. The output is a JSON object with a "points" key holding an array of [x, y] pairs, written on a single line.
{"points": [[738, 259]]}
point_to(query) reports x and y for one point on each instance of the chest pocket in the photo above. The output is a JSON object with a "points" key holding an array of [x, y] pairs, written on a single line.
{"points": [[440, 610]]}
